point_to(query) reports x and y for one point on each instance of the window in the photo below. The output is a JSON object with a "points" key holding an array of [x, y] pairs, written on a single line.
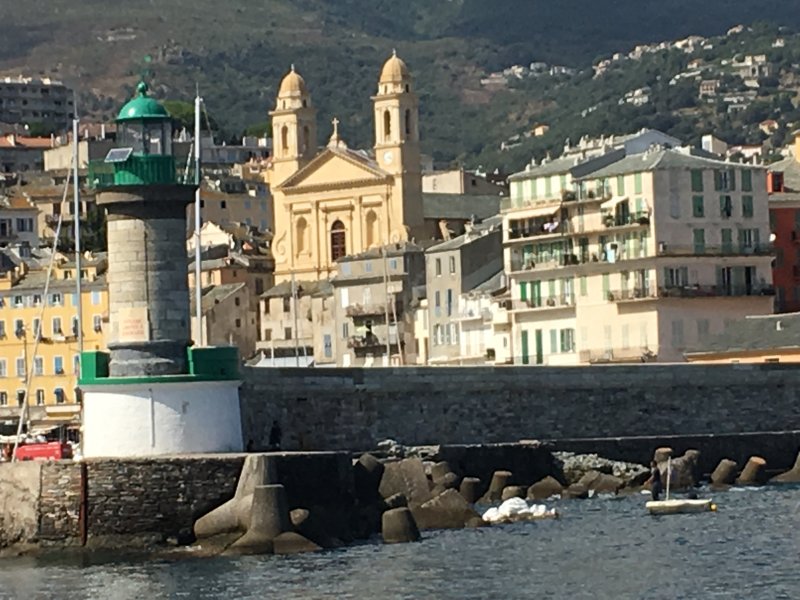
{"points": [[345, 330], [437, 304], [58, 365], [747, 180], [677, 334], [452, 264], [20, 397], [698, 210], [454, 334], [702, 329], [56, 299], [21, 367], [97, 323], [3, 398], [95, 298], [368, 266], [287, 333], [238, 323], [76, 364], [3, 371], [327, 345], [223, 204], [637, 183], [38, 366], [727, 241], [74, 328], [57, 326], [697, 180], [287, 304], [408, 120], [39, 397], [18, 301], [449, 303], [438, 267], [676, 276], [37, 299], [699, 238], [237, 301], [606, 286], [301, 235], [59, 394], [338, 240], [583, 284], [2, 329], [567, 340], [626, 336], [725, 207], [387, 125], [19, 328], [620, 185], [747, 207]]}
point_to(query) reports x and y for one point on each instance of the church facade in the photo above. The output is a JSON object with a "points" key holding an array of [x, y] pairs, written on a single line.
{"points": [[338, 201]]}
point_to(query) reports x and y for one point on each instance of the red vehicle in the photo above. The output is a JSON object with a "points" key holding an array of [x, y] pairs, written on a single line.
{"points": [[44, 451]]}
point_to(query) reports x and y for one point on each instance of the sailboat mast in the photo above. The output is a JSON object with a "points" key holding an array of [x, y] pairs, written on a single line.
{"points": [[76, 193], [198, 286]]}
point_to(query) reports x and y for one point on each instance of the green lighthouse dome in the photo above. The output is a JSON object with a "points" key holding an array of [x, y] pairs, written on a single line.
{"points": [[142, 107]]}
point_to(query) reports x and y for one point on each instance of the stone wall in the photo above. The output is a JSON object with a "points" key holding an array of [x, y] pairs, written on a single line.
{"points": [[355, 408], [59, 502]]}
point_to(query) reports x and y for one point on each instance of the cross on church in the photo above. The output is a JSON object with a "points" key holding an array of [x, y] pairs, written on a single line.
{"points": [[335, 127]]}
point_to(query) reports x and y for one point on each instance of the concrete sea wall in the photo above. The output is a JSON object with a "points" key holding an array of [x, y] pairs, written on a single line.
{"points": [[353, 409]]}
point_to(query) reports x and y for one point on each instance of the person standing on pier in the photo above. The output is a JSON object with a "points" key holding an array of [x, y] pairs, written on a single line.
{"points": [[275, 435], [655, 481]]}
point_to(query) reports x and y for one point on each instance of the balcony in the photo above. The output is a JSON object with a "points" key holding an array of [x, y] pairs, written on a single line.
{"points": [[355, 311], [636, 293], [723, 250], [640, 218], [484, 314], [714, 291], [563, 301], [366, 342]]}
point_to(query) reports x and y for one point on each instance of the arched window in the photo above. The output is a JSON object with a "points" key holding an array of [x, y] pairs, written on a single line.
{"points": [[387, 125], [301, 236], [306, 139], [338, 240], [408, 122], [371, 229], [285, 140]]}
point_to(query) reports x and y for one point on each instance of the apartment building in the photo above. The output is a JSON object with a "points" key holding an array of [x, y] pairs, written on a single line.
{"points": [[38, 335], [20, 154], [29, 100], [453, 269], [297, 324], [226, 318], [18, 222], [374, 295], [634, 260]]}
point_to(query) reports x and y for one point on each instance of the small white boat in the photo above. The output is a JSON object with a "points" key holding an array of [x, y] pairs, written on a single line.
{"points": [[679, 506]]}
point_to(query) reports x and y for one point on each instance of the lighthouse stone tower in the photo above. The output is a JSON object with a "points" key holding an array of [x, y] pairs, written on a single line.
{"points": [[153, 393]]}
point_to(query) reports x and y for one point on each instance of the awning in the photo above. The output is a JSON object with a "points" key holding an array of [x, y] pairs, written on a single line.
{"points": [[612, 204], [542, 211]]}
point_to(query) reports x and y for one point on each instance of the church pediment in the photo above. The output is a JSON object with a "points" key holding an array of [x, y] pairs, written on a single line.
{"points": [[333, 169]]}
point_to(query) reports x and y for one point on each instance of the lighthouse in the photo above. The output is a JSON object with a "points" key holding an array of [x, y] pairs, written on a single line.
{"points": [[153, 393]]}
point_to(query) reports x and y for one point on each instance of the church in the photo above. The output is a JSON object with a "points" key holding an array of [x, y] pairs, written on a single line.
{"points": [[337, 201]]}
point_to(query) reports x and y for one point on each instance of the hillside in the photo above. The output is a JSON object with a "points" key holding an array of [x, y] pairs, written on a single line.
{"points": [[237, 51]]}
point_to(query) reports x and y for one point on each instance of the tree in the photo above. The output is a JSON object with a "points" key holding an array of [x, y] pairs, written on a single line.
{"points": [[182, 114], [263, 129]]}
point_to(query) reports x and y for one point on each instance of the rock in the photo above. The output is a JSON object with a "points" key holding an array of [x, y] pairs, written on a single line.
{"points": [[601, 483], [309, 524], [754, 472], [545, 488], [513, 491], [476, 522], [575, 491], [725, 473], [293, 543], [683, 470], [367, 474], [500, 479], [575, 466], [398, 526], [396, 501], [448, 510], [447, 481], [662, 454], [234, 515], [791, 476], [439, 470], [470, 489], [405, 477], [269, 517]]}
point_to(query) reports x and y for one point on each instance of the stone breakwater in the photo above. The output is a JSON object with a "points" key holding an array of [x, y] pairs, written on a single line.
{"points": [[297, 502]]}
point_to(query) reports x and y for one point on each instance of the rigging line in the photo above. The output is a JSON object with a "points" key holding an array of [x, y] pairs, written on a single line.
{"points": [[38, 334]]}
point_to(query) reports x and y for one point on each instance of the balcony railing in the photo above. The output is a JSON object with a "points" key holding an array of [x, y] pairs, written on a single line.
{"points": [[723, 250], [562, 301], [636, 354], [370, 341], [702, 291], [636, 293], [635, 218], [546, 228]]}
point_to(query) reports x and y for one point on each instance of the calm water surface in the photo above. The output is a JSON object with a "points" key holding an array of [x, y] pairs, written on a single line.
{"points": [[602, 548]]}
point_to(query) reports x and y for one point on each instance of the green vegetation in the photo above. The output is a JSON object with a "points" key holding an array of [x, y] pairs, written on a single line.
{"points": [[238, 51]]}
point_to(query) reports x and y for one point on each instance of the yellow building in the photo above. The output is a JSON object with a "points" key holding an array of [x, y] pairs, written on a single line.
{"points": [[339, 201], [51, 364]]}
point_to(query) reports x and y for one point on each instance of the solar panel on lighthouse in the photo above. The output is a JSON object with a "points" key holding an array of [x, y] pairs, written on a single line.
{"points": [[116, 155]]}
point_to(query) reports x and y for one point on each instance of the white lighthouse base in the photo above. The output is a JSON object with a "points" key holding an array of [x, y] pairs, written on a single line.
{"points": [[158, 418]]}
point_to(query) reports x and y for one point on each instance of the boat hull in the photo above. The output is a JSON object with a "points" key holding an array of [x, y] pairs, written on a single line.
{"points": [[679, 506]]}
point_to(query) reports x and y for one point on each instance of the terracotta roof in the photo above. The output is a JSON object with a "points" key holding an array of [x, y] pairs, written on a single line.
{"points": [[19, 141]]}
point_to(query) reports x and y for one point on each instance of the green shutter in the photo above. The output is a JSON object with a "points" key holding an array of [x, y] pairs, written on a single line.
{"points": [[584, 290], [747, 180], [606, 286], [620, 185], [698, 210], [699, 241], [637, 183], [523, 290], [732, 179], [717, 180], [747, 206], [553, 341], [697, 180]]}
